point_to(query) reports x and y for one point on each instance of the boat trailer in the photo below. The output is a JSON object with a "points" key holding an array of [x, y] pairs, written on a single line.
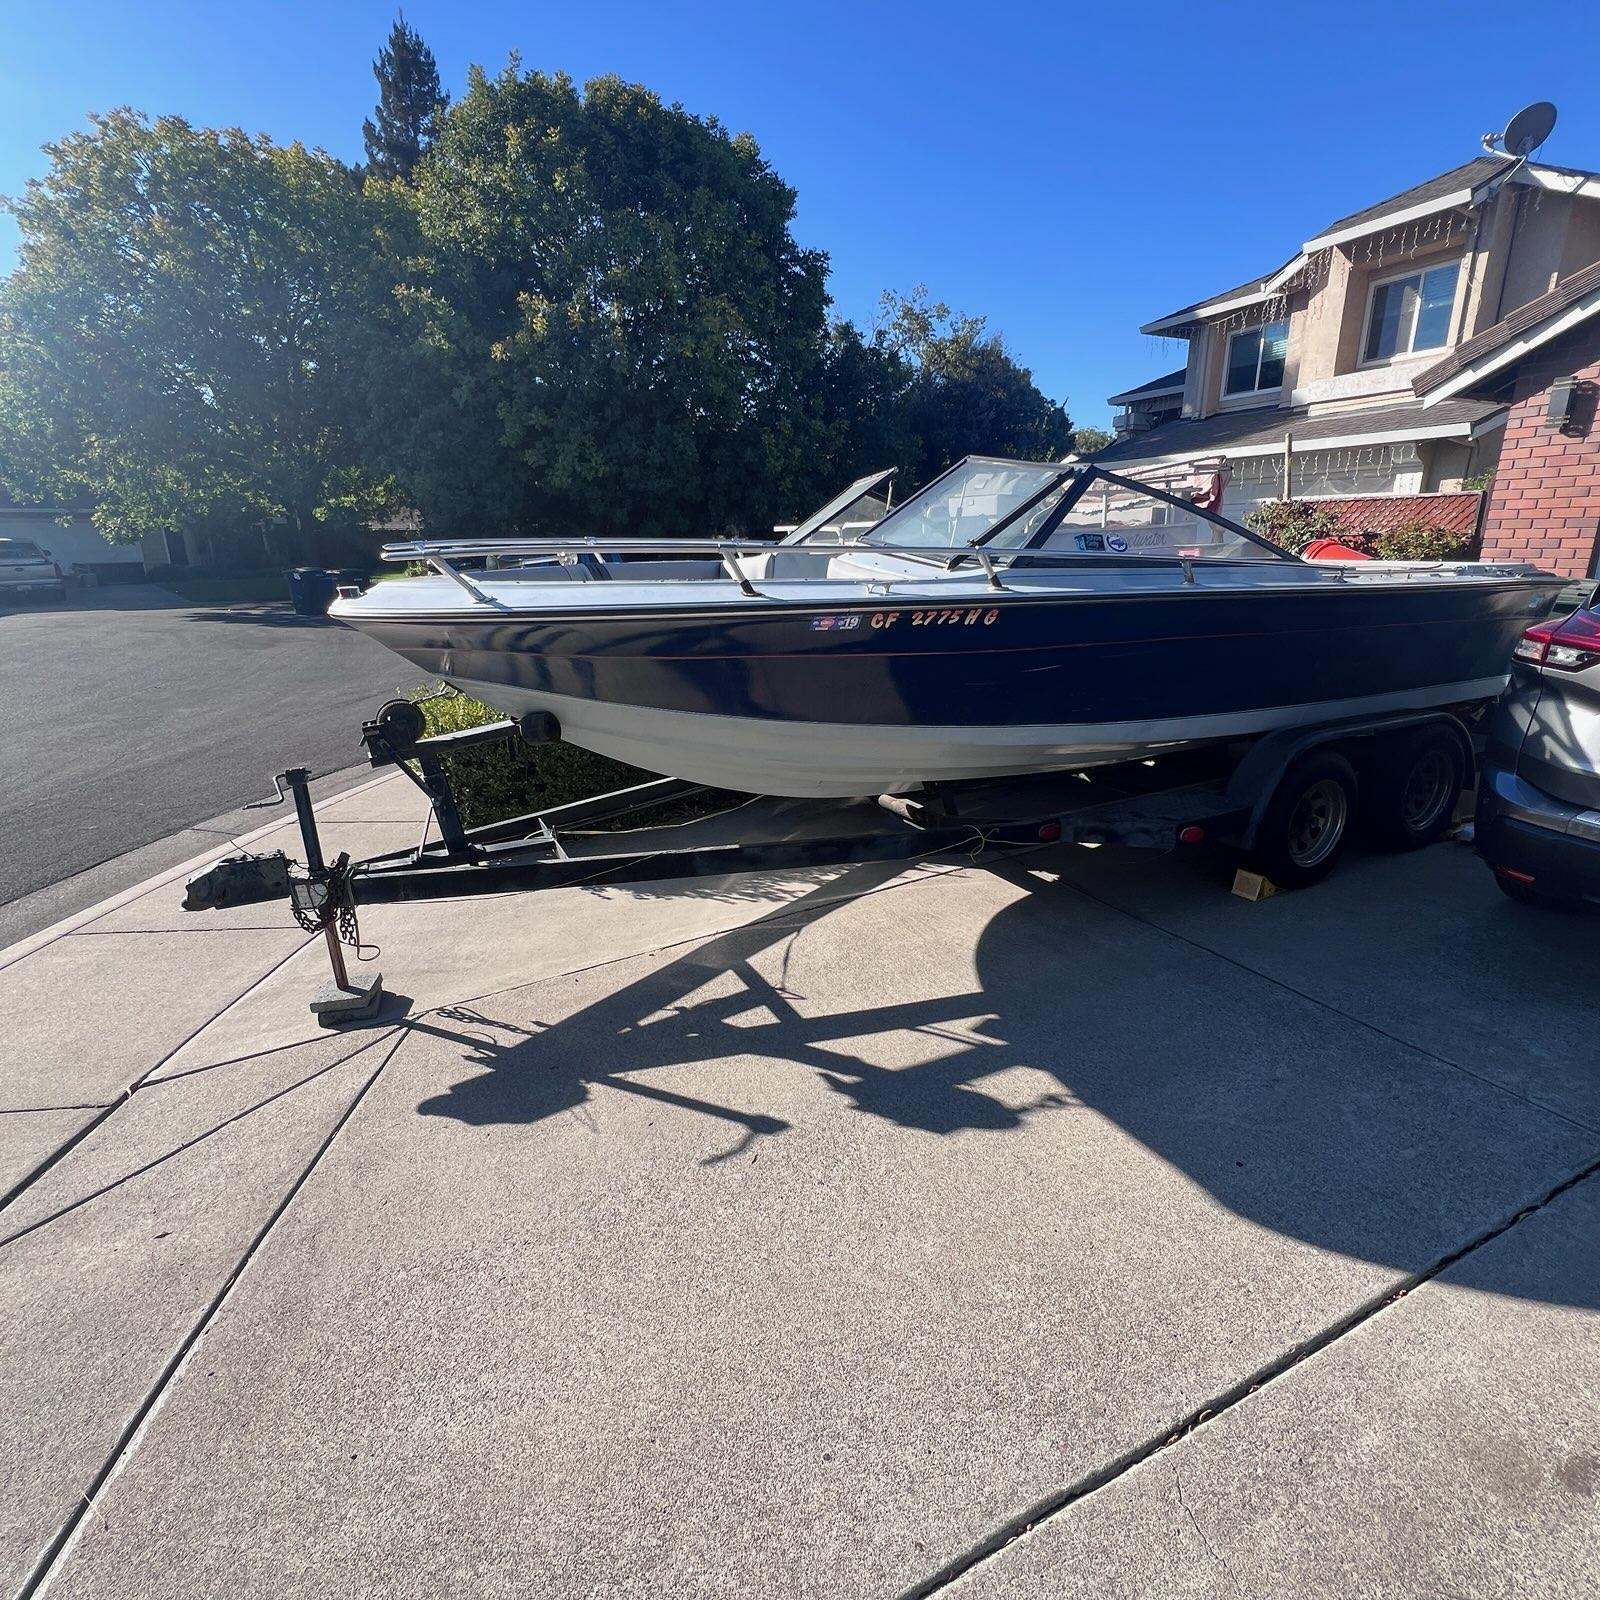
{"points": [[1189, 798]]}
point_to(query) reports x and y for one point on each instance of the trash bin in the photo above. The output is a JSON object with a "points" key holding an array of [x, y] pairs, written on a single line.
{"points": [[310, 590], [304, 591], [349, 578]]}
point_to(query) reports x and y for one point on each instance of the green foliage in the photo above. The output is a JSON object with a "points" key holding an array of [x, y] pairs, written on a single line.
{"points": [[496, 781], [174, 344], [1479, 481], [1087, 442], [858, 407], [609, 326], [1295, 523], [410, 103], [547, 310], [968, 395], [1418, 540]]}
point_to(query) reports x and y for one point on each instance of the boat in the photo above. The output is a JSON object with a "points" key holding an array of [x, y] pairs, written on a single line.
{"points": [[1010, 617]]}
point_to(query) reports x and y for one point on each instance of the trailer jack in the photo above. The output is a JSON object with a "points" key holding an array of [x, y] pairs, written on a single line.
{"points": [[323, 903]]}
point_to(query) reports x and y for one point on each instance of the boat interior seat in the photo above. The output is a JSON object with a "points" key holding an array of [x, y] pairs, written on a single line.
{"points": [[595, 568], [866, 565], [787, 563], [666, 570]]}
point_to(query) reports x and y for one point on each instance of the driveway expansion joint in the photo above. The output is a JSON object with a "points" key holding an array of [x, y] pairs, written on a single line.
{"points": [[782, 915], [188, 1144], [33, 1111], [31, 1177], [60, 1544], [1102, 1477]]}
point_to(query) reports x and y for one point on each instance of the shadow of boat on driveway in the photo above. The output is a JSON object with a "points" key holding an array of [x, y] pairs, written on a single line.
{"points": [[1291, 1115]]}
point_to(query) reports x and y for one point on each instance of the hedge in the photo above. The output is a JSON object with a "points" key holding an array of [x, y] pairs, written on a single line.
{"points": [[512, 777]]}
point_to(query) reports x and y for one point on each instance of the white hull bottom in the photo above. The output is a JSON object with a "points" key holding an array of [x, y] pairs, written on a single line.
{"points": [[823, 759]]}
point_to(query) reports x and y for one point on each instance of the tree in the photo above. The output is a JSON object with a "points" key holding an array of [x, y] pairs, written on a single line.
{"points": [[968, 394], [410, 104], [609, 325], [1089, 441], [865, 388], [173, 345]]}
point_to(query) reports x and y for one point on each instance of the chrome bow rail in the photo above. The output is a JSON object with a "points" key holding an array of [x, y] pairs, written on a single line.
{"points": [[444, 554]]}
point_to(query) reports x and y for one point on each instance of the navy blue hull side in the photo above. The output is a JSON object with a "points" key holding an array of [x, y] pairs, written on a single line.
{"points": [[1013, 663]]}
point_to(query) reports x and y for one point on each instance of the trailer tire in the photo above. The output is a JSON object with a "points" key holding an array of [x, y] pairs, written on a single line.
{"points": [[1412, 790], [1306, 824]]}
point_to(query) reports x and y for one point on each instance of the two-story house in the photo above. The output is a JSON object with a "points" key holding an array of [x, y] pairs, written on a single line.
{"points": [[1307, 370]]}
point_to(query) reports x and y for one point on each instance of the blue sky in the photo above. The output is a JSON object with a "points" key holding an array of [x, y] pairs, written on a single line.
{"points": [[1067, 173]]}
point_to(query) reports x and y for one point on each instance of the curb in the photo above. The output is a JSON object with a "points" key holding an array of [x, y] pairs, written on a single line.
{"points": [[70, 924]]}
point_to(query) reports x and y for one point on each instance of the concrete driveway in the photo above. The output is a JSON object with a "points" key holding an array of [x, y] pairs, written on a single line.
{"points": [[1062, 1226], [131, 715]]}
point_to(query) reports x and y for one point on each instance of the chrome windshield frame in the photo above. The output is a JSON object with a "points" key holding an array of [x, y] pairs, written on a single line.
{"points": [[1058, 469], [847, 497], [1276, 551], [1082, 475]]}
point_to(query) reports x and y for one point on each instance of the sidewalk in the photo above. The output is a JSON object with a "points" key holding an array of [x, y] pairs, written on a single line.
{"points": [[840, 1233]]}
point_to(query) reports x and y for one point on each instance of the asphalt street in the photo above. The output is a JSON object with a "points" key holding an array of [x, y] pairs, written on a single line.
{"points": [[130, 715]]}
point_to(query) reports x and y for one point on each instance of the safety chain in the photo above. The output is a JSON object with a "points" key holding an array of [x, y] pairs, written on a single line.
{"points": [[338, 906]]}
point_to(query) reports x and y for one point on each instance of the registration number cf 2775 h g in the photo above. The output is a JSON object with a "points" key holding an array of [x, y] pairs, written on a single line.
{"points": [[947, 617]]}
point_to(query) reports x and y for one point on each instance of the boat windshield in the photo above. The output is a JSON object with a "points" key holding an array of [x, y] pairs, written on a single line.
{"points": [[1071, 509], [849, 514], [963, 505], [1111, 518]]}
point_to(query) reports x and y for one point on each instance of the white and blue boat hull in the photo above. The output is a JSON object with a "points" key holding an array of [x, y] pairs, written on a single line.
{"points": [[870, 694]]}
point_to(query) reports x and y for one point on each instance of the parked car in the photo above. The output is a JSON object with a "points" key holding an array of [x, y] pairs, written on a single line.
{"points": [[1539, 787], [27, 569]]}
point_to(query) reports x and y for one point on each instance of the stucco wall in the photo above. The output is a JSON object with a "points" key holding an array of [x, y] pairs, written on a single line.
{"points": [[1537, 246], [1511, 251], [1582, 244]]}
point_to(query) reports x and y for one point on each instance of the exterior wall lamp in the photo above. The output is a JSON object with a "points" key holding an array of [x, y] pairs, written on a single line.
{"points": [[1570, 405], [1559, 407]]}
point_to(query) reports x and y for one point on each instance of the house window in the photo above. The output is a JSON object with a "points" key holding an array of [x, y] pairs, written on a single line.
{"points": [[1255, 359], [1410, 313]]}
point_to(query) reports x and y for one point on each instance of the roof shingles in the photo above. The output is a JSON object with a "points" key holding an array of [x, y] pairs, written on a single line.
{"points": [[1524, 319], [1167, 383], [1468, 176], [1238, 430]]}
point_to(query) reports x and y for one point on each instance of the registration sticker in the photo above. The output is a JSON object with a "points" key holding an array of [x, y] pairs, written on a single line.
{"points": [[839, 623]]}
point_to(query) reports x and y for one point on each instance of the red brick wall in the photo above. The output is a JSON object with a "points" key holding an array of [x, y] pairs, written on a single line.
{"points": [[1544, 505]]}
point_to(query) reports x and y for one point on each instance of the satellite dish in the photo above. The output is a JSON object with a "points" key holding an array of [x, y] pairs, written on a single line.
{"points": [[1529, 129]]}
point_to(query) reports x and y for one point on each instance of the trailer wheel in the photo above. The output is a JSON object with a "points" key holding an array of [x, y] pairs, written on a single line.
{"points": [[1306, 823], [1412, 791]]}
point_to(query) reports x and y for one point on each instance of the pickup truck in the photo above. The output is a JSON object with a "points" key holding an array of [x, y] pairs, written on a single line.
{"points": [[25, 569]]}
